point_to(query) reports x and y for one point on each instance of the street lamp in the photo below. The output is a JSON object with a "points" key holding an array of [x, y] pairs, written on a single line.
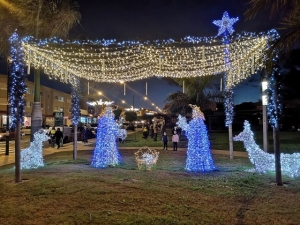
{"points": [[264, 85]]}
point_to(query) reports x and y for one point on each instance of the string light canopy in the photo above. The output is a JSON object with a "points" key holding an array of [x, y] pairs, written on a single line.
{"points": [[112, 61]]}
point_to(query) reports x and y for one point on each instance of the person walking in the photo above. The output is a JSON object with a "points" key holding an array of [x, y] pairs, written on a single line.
{"points": [[58, 137], [165, 141], [175, 140]]}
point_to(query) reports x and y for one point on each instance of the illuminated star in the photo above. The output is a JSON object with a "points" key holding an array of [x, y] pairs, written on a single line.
{"points": [[225, 24]]}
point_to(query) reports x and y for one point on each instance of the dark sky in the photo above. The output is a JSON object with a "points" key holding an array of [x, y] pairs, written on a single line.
{"points": [[162, 19]]}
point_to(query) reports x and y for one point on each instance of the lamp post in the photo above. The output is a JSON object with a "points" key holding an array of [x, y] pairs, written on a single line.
{"points": [[264, 85], [7, 108]]}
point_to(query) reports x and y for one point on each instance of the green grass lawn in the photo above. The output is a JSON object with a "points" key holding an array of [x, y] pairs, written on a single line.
{"points": [[289, 141], [67, 191]]}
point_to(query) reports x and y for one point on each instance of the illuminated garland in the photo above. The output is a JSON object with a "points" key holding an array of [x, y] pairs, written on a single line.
{"points": [[75, 98], [225, 28], [199, 158], [113, 61], [275, 98], [146, 159], [263, 161], [106, 152], [17, 87], [32, 157]]}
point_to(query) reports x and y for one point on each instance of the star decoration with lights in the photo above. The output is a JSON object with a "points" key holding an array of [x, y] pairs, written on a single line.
{"points": [[225, 24]]}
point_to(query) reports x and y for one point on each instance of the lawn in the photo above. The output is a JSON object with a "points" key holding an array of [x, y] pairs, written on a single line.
{"points": [[68, 191], [289, 141]]}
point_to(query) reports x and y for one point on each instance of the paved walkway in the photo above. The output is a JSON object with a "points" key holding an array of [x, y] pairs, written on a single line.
{"points": [[10, 159]]}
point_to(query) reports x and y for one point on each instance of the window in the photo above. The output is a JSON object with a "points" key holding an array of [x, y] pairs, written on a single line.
{"points": [[41, 93], [29, 104], [58, 109], [59, 98], [69, 101], [3, 86], [30, 91]]}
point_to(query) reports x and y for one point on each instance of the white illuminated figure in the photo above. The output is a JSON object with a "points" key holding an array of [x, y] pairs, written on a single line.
{"points": [[106, 152], [32, 157], [199, 158], [263, 161]]}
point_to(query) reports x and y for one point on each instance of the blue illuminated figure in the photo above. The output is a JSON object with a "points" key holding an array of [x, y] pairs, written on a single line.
{"points": [[106, 152], [225, 28], [199, 158]]}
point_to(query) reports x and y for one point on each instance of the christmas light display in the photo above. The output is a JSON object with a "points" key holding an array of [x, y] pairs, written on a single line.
{"points": [[263, 161], [275, 98], [146, 159], [18, 87], [112, 61], [225, 25], [75, 99], [225, 28], [106, 152], [122, 134], [199, 158], [32, 157]]}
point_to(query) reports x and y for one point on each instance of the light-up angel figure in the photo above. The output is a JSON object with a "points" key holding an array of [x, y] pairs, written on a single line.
{"points": [[199, 158], [106, 152]]}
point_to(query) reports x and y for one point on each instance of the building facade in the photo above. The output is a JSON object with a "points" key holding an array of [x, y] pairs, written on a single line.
{"points": [[51, 101]]}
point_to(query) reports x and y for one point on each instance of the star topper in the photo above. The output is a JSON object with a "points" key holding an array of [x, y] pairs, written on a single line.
{"points": [[225, 24]]}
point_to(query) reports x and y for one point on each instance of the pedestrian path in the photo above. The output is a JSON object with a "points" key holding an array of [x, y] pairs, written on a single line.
{"points": [[10, 159]]}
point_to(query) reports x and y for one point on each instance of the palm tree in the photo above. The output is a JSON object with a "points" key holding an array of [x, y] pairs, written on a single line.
{"points": [[289, 13], [196, 92], [48, 19], [42, 19]]}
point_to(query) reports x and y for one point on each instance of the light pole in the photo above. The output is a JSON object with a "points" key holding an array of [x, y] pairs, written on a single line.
{"points": [[7, 108], [264, 85], [133, 111]]}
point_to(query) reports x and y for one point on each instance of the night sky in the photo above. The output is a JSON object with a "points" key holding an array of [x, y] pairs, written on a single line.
{"points": [[161, 19]]}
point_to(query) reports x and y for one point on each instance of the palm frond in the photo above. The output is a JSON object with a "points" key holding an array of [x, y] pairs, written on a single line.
{"points": [[286, 8]]}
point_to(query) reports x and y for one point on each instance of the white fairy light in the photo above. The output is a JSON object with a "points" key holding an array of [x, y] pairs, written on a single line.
{"points": [[146, 159], [263, 161], [130, 61], [225, 23], [32, 157]]}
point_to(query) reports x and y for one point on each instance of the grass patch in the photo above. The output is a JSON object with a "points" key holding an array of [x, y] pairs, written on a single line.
{"points": [[289, 141], [68, 191]]}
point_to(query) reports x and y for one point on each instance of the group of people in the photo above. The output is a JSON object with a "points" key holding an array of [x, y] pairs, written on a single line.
{"points": [[152, 130], [56, 137], [175, 140]]}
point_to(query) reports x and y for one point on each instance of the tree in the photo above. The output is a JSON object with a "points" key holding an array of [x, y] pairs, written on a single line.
{"points": [[130, 116], [198, 91], [42, 19], [289, 14]]}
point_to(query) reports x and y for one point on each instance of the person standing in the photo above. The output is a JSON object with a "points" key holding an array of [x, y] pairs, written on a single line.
{"points": [[52, 137], [165, 141], [145, 132], [155, 127], [58, 137], [175, 140], [85, 135]]}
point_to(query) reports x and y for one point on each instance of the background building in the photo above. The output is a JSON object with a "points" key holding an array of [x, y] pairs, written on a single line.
{"points": [[51, 101]]}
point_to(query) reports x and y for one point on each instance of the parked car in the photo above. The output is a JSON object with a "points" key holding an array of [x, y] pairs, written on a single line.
{"points": [[12, 134]]}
